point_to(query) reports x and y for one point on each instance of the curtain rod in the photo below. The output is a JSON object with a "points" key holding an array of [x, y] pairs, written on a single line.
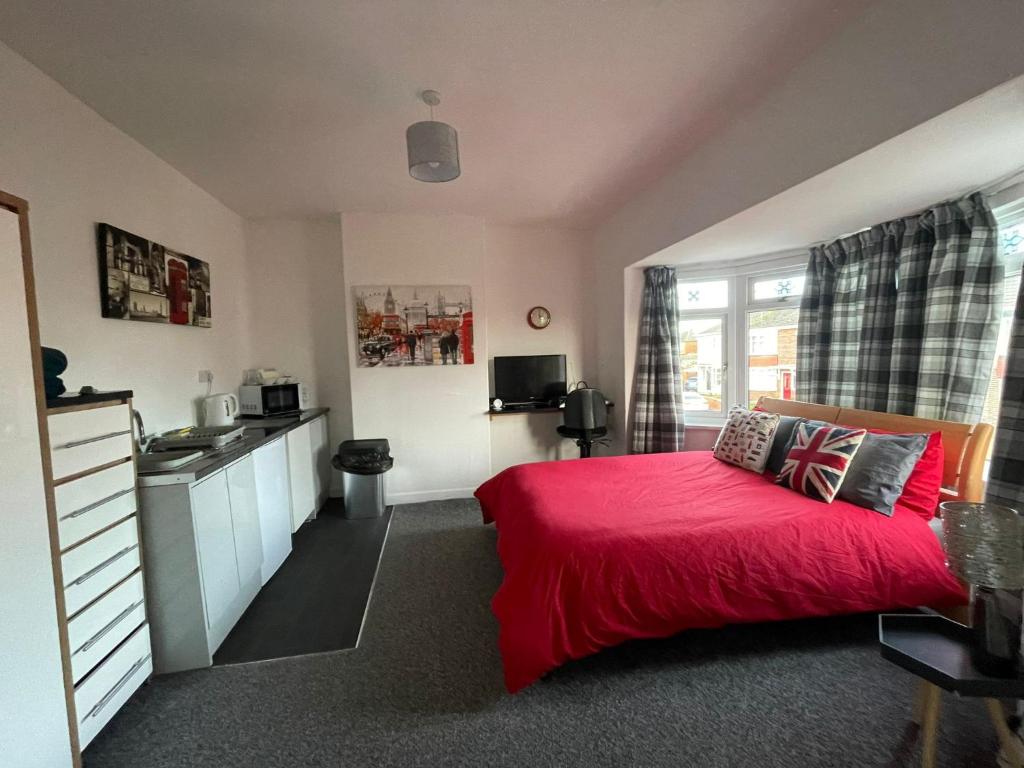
{"points": [[993, 188], [990, 190], [1004, 183]]}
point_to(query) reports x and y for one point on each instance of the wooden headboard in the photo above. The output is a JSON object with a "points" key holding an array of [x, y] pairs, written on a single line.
{"points": [[965, 445]]}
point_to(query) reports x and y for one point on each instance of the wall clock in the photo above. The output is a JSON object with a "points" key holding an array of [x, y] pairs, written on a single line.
{"points": [[539, 317]]}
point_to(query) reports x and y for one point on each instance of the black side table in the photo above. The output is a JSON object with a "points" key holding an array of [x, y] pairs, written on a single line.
{"points": [[938, 651]]}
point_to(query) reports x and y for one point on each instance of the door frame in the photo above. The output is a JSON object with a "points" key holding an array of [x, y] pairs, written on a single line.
{"points": [[20, 207]]}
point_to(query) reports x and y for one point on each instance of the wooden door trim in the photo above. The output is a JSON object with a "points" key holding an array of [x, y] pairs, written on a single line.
{"points": [[20, 207]]}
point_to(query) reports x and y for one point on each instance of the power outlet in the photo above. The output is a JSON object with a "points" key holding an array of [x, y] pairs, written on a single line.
{"points": [[206, 377]]}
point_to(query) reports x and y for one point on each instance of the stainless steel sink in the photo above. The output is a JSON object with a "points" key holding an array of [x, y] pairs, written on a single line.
{"points": [[149, 462]]}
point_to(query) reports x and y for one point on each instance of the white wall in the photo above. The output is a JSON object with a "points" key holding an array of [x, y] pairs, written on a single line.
{"points": [[75, 170], [540, 266], [433, 416], [527, 267], [515, 268], [296, 287], [33, 718], [899, 64], [330, 333], [280, 290]]}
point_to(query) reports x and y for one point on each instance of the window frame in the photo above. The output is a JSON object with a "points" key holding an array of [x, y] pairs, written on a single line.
{"points": [[774, 302], [741, 278], [1007, 216], [722, 316]]}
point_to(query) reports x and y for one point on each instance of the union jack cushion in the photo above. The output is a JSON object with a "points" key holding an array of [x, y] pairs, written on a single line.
{"points": [[818, 459]]}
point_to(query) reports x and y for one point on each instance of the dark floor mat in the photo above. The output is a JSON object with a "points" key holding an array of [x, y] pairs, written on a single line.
{"points": [[317, 600]]}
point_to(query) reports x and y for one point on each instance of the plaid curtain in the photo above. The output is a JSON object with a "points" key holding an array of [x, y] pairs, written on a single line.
{"points": [[658, 386], [904, 317], [1006, 473], [846, 320]]}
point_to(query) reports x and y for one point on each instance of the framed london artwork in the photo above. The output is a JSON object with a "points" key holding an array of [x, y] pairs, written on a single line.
{"points": [[143, 280], [413, 325]]}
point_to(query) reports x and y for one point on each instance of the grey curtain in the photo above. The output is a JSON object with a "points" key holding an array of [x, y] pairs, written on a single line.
{"points": [[904, 317], [657, 386], [1006, 472]]}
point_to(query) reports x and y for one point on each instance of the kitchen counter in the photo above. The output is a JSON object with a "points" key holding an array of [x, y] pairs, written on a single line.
{"points": [[257, 432]]}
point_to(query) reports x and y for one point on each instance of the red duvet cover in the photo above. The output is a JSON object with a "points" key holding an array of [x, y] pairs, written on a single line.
{"points": [[598, 551]]}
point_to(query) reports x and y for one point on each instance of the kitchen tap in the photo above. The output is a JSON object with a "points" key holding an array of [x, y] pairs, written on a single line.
{"points": [[141, 441]]}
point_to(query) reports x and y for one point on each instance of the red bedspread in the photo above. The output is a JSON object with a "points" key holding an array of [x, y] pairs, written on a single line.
{"points": [[598, 551]]}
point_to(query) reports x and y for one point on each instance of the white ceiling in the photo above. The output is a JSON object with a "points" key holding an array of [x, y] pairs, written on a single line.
{"points": [[958, 152], [563, 107]]}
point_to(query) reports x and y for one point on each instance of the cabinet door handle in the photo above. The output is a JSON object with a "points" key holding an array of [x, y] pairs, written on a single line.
{"points": [[117, 687], [95, 504], [86, 441], [113, 623], [108, 562]]}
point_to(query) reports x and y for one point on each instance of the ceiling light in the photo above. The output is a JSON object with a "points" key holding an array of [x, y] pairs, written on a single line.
{"points": [[433, 146]]}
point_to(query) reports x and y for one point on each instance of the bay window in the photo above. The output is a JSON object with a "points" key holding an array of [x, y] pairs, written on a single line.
{"points": [[738, 337], [738, 326]]}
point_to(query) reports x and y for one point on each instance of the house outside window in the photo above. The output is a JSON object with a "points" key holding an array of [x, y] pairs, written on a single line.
{"points": [[738, 332]]}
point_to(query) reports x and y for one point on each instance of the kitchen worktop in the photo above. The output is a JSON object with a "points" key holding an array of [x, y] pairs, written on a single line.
{"points": [[257, 432]]}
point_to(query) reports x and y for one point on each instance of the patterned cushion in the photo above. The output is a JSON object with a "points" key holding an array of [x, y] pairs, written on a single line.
{"points": [[746, 438], [818, 459], [780, 443]]}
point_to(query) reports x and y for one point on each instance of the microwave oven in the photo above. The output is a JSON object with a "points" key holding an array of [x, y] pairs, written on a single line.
{"points": [[269, 399]]}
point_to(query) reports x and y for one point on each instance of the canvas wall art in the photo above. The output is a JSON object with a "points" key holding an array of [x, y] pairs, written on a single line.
{"points": [[413, 325], [143, 280]]}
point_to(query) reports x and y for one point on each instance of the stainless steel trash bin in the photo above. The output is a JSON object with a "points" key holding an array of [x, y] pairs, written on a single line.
{"points": [[364, 495], [363, 464]]}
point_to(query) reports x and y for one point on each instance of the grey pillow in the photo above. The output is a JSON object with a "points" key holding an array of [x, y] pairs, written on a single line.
{"points": [[780, 443], [880, 469]]}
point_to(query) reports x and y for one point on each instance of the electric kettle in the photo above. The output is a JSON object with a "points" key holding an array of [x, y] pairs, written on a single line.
{"points": [[220, 410]]}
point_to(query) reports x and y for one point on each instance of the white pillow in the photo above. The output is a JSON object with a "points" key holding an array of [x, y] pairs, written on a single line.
{"points": [[746, 438]]}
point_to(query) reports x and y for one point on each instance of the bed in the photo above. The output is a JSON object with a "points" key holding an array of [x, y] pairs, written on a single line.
{"points": [[604, 550]]}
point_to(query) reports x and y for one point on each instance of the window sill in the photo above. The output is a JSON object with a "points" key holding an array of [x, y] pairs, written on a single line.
{"points": [[704, 422]]}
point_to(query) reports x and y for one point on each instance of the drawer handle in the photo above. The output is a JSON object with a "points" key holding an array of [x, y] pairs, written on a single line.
{"points": [[113, 623], [86, 441], [108, 562], [117, 687], [95, 504]]}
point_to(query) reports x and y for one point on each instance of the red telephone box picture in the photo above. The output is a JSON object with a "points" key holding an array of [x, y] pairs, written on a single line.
{"points": [[177, 291], [466, 338]]}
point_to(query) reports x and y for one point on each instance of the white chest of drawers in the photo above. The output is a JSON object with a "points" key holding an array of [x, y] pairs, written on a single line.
{"points": [[98, 559]]}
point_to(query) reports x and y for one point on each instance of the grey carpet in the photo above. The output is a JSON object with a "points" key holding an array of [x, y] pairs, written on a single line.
{"points": [[424, 688]]}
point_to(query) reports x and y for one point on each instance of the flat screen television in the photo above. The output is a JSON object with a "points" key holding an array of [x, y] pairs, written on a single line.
{"points": [[529, 378]]}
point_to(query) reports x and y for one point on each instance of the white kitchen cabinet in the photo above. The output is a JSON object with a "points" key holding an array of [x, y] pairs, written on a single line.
{"points": [[215, 542], [245, 519], [321, 447], [301, 474], [204, 555], [273, 503]]}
